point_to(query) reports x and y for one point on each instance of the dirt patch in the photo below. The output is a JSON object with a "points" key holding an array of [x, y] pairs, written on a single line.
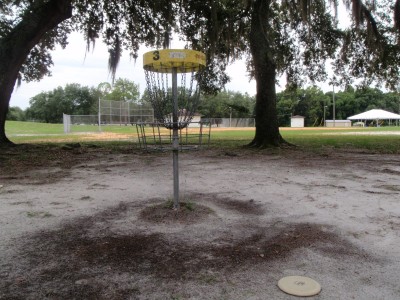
{"points": [[76, 260], [390, 171], [42, 164], [31, 156], [247, 221], [188, 213], [240, 206]]}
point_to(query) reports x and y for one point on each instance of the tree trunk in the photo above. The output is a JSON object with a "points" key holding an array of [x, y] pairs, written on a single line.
{"points": [[15, 47], [267, 128]]}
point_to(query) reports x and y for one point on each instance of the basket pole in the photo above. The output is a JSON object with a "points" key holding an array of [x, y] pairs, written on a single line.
{"points": [[175, 137]]}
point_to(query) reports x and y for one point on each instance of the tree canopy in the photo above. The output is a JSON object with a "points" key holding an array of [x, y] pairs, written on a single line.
{"points": [[29, 30], [299, 39], [226, 104], [311, 103], [315, 105], [50, 106], [121, 90], [296, 38]]}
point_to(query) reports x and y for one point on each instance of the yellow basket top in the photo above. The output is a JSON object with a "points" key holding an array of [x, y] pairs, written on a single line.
{"points": [[184, 60]]}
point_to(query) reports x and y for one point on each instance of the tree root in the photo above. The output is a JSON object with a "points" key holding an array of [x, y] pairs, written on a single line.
{"points": [[279, 143], [6, 143]]}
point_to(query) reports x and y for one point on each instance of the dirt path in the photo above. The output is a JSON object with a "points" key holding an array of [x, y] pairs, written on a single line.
{"points": [[91, 224]]}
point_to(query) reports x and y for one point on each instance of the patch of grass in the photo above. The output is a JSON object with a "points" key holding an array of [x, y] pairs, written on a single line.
{"points": [[394, 188], [188, 205], [208, 278], [39, 214], [35, 128], [314, 139], [319, 139], [188, 213], [169, 204]]}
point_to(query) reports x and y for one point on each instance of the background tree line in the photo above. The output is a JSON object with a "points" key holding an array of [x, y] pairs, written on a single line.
{"points": [[292, 38], [74, 99], [311, 103]]}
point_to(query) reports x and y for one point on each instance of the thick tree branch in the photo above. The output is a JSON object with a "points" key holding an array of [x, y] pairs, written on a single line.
{"points": [[361, 12], [397, 14]]}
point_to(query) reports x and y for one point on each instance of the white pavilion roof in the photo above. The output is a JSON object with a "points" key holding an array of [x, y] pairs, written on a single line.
{"points": [[375, 114]]}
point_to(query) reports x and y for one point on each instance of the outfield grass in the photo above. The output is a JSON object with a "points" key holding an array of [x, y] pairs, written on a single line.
{"points": [[33, 132], [382, 139], [15, 127]]}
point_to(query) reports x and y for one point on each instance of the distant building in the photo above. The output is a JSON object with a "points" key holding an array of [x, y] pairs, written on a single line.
{"points": [[337, 123], [195, 120], [297, 121]]}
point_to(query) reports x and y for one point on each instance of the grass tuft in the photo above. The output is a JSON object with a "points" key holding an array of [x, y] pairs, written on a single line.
{"points": [[187, 205]]}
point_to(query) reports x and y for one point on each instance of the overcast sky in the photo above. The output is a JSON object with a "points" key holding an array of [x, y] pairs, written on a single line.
{"points": [[74, 65]]}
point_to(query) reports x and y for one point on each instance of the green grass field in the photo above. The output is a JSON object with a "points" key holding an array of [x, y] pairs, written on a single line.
{"points": [[382, 139]]}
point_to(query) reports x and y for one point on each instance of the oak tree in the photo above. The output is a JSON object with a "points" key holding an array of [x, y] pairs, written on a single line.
{"points": [[299, 39], [30, 29]]}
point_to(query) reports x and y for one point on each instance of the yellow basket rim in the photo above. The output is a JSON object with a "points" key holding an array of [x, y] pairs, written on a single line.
{"points": [[167, 60]]}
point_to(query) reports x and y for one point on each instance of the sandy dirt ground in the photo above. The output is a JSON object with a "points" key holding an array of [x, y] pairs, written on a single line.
{"points": [[89, 223]]}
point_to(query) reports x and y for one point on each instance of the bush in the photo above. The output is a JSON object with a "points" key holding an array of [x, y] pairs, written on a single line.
{"points": [[16, 114]]}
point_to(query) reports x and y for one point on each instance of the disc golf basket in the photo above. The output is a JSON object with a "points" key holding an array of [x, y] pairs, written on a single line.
{"points": [[154, 136], [174, 104]]}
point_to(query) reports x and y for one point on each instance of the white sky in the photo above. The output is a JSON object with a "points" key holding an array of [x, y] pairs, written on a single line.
{"points": [[74, 65]]}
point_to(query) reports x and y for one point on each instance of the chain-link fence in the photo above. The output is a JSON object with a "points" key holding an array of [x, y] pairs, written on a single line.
{"points": [[119, 113], [231, 122], [110, 113]]}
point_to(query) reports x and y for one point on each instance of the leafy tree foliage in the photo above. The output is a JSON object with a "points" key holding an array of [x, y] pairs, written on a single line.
{"points": [[29, 29], [73, 99], [15, 113], [122, 90], [292, 37], [226, 104], [350, 102], [296, 38], [310, 103]]}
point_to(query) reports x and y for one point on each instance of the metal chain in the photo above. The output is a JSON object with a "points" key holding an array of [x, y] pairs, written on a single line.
{"points": [[160, 96]]}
